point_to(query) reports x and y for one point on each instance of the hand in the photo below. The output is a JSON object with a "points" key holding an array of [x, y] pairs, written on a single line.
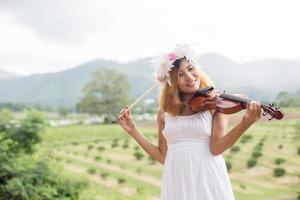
{"points": [[126, 121], [253, 112]]}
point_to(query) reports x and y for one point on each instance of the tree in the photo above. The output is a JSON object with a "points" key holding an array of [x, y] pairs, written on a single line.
{"points": [[22, 177], [286, 99], [62, 111], [106, 93]]}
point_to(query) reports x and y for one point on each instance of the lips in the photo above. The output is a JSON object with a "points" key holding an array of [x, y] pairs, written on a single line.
{"points": [[191, 83]]}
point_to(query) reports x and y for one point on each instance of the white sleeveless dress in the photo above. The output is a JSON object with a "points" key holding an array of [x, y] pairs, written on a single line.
{"points": [[190, 171]]}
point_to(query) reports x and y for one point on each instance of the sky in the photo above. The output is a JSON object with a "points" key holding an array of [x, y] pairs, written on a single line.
{"points": [[40, 36]]}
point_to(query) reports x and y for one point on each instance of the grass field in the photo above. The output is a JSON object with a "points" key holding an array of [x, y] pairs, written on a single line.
{"points": [[97, 154]]}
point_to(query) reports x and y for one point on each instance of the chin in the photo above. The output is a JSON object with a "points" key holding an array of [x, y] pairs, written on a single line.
{"points": [[191, 90]]}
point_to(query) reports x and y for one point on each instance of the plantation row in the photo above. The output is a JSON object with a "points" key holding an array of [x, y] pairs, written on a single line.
{"points": [[118, 165]]}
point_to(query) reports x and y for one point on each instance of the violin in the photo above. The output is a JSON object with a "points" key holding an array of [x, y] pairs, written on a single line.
{"points": [[227, 103]]}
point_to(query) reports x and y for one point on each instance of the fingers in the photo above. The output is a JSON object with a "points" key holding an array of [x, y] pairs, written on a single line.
{"points": [[125, 113], [254, 107]]}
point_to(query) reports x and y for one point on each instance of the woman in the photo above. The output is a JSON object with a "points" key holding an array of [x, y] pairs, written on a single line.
{"points": [[190, 144]]}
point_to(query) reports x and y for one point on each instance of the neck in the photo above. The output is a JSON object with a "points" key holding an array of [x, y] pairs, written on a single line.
{"points": [[186, 97]]}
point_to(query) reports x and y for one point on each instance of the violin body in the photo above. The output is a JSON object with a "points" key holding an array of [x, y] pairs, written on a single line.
{"points": [[227, 103]]}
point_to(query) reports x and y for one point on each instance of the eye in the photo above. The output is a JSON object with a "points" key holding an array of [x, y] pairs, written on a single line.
{"points": [[190, 68]]}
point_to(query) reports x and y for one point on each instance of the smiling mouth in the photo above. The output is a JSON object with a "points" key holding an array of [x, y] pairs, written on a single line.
{"points": [[191, 83]]}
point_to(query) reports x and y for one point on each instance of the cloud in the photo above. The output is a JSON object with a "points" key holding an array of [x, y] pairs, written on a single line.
{"points": [[67, 21], [41, 35]]}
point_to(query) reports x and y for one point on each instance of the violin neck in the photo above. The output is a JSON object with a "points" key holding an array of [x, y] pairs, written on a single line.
{"points": [[234, 98]]}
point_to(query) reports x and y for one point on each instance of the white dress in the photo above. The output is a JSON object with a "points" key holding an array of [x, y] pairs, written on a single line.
{"points": [[190, 171]]}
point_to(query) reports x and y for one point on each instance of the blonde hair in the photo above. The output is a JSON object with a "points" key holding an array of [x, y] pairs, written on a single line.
{"points": [[169, 99]]}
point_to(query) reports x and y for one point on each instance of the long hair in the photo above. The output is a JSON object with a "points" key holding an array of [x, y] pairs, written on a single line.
{"points": [[170, 97]]}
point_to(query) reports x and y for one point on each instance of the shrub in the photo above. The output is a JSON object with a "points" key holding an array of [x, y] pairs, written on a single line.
{"points": [[97, 158], [74, 143], [91, 170], [141, 190], [235, 148], [256, 154], [243, 186], [114, 144], [260, 144], [280, 146], [104, 174], [101, 148], [279, 172], [90, 147], [69, 161], [121, 180], [278, 161], [228, 165], [23, 176], [138, 155], [152, 160], [116, 140], [251, 162], [136, 147], [245, 138], [257, 148]]}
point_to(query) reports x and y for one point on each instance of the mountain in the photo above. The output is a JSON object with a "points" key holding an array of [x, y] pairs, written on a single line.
{"points": [[5, 74], [260, 80], [65, 88]]}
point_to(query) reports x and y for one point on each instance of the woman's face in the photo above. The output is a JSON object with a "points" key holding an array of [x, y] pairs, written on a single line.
{"points": [[188, 77]]}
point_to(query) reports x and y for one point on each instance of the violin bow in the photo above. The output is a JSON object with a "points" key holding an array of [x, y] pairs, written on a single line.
{"points": [[136, 101]]}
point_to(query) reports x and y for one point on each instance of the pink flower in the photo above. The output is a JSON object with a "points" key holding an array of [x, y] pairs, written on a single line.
{"points": [[172, 56]]}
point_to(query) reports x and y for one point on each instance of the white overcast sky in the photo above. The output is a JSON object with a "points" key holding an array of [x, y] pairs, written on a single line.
{"points": [[38, 36]]}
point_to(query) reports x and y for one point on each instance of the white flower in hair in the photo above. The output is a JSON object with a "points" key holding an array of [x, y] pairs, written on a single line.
{"points": [[183, 50], [164, 63]]}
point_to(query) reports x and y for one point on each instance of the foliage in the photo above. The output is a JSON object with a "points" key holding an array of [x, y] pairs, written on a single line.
{"points": [[251, 162], [235, 148], [278, 161], [105, 94], [138, 155], [228, 165], [279, 172], [285, 99], [22, 177]]}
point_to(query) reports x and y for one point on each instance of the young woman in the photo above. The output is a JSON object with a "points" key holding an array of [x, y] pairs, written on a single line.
{"points": [[189, 144]]}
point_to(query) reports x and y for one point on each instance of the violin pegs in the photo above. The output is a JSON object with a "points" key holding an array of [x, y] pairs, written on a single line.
{"points": [[264, 114], [277, 108]]}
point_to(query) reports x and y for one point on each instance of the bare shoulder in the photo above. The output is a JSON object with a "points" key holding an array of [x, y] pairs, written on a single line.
{"points": [[160, 119], [160, 115]]}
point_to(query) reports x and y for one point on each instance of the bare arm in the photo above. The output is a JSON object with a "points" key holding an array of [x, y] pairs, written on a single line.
{"points": [[220, 141], [156, 152]]}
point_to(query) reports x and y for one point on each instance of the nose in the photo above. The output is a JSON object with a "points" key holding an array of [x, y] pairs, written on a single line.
{"points": [[189, 77]]}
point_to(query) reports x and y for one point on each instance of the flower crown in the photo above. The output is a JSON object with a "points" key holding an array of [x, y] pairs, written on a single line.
{"points": [[165, 61]]}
